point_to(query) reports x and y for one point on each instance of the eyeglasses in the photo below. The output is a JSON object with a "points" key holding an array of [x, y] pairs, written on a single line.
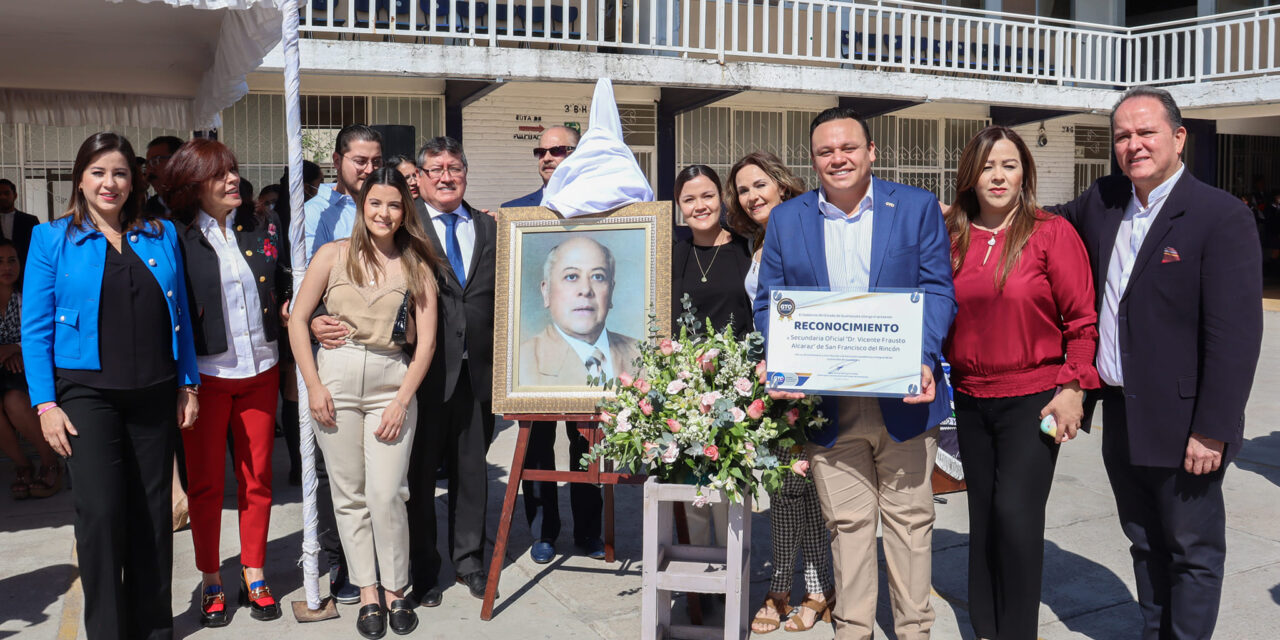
{"points": [[556, 152], [438, 172], [361, 163]]}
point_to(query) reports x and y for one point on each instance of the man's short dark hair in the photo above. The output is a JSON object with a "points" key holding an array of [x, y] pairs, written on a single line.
{"points": [[355, 133], [440, 145], [839, 113], [1171, 111], [5, 182], [170, 142]]}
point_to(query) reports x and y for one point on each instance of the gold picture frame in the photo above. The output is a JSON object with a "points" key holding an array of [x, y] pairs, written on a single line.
{"points": [[637, 242]]}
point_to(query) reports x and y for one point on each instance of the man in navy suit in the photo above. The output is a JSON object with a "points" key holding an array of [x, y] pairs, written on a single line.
{"points": [[875, 456], [15, 225], [1178, 274], [541, 501]]}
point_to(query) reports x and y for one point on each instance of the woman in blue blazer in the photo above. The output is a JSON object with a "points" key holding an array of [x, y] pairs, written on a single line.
{"points": [[111, 366]]}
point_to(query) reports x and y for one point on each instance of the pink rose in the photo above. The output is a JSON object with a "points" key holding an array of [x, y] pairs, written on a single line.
{"points": [[801, 467], [676, 386], [606, 417], [793, 414], [737, 414], [642, 385], [711, 451], [742, 386], [709, 398], [650, 451], [646, 407], [673, 425], [761, 370], [755, 409], [665, 347], [625, 379], [707, 360]]}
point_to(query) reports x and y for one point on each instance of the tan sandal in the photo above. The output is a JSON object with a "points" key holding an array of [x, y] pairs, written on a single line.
{"points": [[821, 609], [780, 605]]}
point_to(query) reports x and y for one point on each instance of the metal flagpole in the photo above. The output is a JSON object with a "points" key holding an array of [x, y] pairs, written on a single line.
{"points": [[313, 609]]}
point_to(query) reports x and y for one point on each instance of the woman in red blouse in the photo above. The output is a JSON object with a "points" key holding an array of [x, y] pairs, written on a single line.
{"points": [[1021, 349]]}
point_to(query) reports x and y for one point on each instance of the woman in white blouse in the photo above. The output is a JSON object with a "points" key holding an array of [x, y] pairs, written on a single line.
{"points": [[236, 284], [758, 183]]}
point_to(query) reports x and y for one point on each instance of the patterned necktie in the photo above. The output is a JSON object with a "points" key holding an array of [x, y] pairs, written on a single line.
{"points": [[453, 249], [595, 367]]}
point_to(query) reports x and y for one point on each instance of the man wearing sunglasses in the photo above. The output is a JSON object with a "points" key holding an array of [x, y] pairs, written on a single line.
{"points": [[541, 504], [553, 147]]}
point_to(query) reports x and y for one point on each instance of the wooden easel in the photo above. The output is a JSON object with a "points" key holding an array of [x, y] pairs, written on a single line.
{"points": [[590, 429]]}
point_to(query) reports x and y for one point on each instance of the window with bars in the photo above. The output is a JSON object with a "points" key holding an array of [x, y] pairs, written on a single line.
{"points": [[1092, 155], [719, 136], [254, 127], [922, 152], [38, 159], [640, 133]]}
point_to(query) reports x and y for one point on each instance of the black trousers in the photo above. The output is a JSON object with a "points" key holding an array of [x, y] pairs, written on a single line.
{"points": [[122, 467], [457, 433], [1008, 467], [1176, 525], [541, 499]]}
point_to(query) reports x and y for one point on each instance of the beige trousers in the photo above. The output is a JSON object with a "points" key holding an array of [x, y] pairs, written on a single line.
{"points": [[368, 477], [865, 479], [707, 523]]}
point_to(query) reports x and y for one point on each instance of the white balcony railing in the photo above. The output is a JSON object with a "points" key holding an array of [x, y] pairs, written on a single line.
{"points": [[909, 37]]}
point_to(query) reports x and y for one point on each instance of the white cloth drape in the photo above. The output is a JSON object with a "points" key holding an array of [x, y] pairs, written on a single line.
{"points": [[76, 108], [602, 173]]}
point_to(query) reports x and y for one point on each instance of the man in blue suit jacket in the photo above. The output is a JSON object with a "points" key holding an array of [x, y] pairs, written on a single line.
{"points": [[875, 455], [541, 505]]}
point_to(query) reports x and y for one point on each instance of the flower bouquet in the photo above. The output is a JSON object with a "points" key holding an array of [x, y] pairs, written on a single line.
{"points": [[697, 411]]}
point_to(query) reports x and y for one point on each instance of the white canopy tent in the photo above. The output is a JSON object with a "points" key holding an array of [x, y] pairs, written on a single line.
{"points": [[160, 63]]}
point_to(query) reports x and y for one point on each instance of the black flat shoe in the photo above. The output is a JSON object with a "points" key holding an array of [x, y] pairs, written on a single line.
{"points": [[475, 582], [213, 607], [258, 597], [428, 598], [372, 622], [401, 617]]}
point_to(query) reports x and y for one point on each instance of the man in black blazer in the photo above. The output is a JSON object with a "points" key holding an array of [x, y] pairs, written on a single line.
{"points": [[541, 500], [15, 225], [455, 401], [1178, 274]]}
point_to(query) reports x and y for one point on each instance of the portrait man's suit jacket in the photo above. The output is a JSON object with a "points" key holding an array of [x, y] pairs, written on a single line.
{"points": [[547, 360], [1190, 319], [531, 200], [465, 321], [910, 249]]}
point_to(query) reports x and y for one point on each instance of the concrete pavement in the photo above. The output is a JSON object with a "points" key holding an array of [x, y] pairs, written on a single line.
{"points": [[1087, 592]]}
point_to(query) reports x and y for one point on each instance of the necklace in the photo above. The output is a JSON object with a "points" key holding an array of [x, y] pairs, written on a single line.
{"points": [[991, 242], [709, 264]]}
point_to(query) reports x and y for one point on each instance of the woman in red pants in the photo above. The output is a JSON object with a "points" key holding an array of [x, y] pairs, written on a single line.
{"points": [[235, 283]]}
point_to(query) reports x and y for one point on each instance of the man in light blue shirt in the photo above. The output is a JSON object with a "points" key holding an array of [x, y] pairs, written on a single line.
{"points": [[331, 214]]}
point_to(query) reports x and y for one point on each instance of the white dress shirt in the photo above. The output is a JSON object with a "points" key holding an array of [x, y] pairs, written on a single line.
{"points": [[585, 350], [1129, 238], [847, 239], [466, 231], [248, 353]]}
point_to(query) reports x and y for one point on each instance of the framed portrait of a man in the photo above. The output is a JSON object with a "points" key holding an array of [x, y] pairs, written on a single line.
{"points": [[575, 299]]}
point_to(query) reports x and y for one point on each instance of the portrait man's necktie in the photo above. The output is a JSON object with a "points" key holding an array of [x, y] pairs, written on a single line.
{"points": [[595, 365]]}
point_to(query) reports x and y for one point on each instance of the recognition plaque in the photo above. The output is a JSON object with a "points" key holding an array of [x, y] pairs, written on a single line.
{"points": [[852, 343]]}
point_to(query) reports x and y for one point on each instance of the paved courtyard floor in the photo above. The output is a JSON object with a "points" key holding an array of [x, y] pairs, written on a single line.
{"points": [[1087, 591]]}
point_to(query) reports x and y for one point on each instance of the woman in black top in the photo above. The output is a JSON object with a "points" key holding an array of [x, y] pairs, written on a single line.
{"points": [[111, 367], [711, 265]]}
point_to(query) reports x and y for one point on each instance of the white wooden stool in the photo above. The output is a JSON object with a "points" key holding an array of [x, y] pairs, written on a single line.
{"points": [[687, 568]]}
